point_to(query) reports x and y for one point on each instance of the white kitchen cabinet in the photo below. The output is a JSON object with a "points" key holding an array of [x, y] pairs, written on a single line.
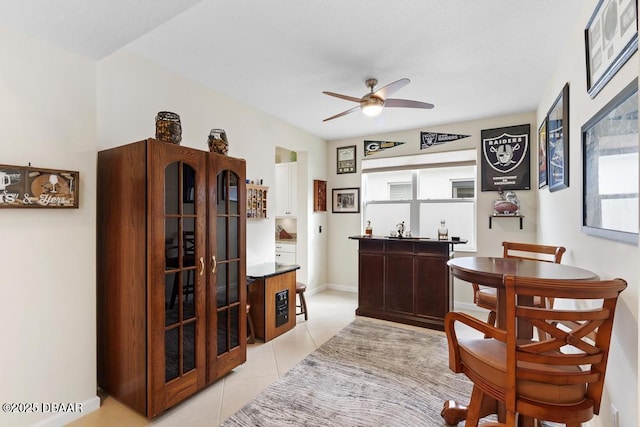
{"points": [[285, 253], [286, 189]]}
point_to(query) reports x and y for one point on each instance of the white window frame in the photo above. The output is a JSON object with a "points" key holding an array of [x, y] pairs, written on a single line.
{"points": [[415, 163]]}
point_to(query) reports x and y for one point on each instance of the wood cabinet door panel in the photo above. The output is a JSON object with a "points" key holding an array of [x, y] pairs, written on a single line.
{"points": [[226, 266], [371, 277], [432, 291], [398, 292], [176, 333]]}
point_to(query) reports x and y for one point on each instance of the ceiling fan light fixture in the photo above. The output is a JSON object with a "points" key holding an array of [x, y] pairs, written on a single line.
{"points": [[372, 106]]}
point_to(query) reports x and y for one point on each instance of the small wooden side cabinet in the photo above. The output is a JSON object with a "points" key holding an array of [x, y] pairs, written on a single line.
{"points": [[272, 295], [319, 195]]}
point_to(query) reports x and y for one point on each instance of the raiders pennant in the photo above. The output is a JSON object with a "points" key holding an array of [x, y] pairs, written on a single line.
{"points": [[427, 139]]}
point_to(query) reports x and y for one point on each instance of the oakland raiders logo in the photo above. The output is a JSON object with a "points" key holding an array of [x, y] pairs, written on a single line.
{"points": [[429, 138], [504, 153]]}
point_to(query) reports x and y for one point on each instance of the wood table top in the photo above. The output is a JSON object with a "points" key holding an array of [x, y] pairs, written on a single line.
{"points": [[489, 270]]}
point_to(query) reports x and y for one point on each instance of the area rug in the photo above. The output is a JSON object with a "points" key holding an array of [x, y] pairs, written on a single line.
{"points": [[369, 374]]}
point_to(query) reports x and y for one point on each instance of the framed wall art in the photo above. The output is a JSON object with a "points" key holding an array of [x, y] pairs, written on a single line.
{"points": [[558, 142], [542, 154], [27, 187], [346, 159], [505, 163], [345, 200], [611, 37], [610, 164]]}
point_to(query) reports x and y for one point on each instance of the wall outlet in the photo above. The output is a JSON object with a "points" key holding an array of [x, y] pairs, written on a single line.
{"points": [[614, 416]]}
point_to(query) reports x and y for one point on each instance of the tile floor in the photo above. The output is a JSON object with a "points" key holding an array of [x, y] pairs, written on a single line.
{"points": [[329, 312]]}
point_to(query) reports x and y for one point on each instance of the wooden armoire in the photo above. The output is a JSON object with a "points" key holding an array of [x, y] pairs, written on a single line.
{"points": [[171, 271]]}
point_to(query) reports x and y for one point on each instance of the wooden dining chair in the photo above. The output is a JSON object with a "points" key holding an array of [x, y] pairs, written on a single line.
{"points": [[487, 297], [558, 377]]}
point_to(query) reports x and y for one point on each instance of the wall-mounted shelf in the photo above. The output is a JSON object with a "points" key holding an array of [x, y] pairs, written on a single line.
{"points": [[256, 201], [319, 195], [505, 216]]}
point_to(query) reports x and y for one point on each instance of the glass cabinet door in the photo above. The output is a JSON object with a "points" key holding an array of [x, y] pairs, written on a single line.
{"points": [[181, 270], [176, 274], [227, 255], [226, 309]]}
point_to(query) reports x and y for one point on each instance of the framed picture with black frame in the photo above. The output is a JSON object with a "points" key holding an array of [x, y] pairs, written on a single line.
{"points": [[611, 38], [558, 142], [610, 169], [542, 154], [345, 200], [346, 159]]}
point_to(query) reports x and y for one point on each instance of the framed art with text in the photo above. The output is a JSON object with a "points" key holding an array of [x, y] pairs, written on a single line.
{"points": [[611, 37], [542, 154], [505, 161], [345, 200], [610, 164], [558, 142], [346, 159], [27, 187]]}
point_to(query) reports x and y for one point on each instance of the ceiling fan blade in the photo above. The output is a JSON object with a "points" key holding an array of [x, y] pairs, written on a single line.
{"points": [[391, 88], [344, 113], [407, 103], [347, 97]]}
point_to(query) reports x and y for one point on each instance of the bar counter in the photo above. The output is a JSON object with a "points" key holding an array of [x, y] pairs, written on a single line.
{"points": [[405, 280]]}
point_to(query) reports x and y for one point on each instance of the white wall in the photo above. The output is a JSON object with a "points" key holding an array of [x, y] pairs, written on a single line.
{"points": [[561, 214], [132, 90], [342, 253], [48, 316]]}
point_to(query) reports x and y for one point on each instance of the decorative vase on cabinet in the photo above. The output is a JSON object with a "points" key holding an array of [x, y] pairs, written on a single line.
{"points": [[171, 272]]}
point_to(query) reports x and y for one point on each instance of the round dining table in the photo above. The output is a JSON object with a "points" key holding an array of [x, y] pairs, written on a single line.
{"points": [[489, 271]]}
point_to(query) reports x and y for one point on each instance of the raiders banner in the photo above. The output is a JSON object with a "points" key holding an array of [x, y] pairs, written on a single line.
{"points": [[427, 139], [505, 158], [372, 147]]}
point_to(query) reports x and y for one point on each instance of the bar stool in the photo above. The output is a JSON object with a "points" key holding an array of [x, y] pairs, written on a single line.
{"points": [[300, 288], [251, 338]]}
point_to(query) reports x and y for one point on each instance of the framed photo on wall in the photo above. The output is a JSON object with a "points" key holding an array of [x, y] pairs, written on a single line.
{"points": [[558, 142], [345, 200], [611, 37], [346, 159], [610, 159], [542, 154]]}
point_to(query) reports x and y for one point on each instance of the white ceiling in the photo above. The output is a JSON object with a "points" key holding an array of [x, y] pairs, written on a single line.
{"points": [[471, 58]]}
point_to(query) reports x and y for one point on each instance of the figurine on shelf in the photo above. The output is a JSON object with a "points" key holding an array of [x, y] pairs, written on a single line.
{"points": [[400, 229], [507, 204]]}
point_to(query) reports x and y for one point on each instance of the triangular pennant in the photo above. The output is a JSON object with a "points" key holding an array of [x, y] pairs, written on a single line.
{"points": [[372, 147], [427, 139]]}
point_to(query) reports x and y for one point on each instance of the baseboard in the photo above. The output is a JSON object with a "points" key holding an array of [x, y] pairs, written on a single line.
{"points": [[63, 418], [342, 288]]}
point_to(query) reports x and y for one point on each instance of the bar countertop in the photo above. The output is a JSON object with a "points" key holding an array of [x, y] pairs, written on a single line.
{"points": [[268, 269], [407, 239]]}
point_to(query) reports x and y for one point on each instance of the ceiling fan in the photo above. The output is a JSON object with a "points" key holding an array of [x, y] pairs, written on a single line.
{"points": [[372, 103]]}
